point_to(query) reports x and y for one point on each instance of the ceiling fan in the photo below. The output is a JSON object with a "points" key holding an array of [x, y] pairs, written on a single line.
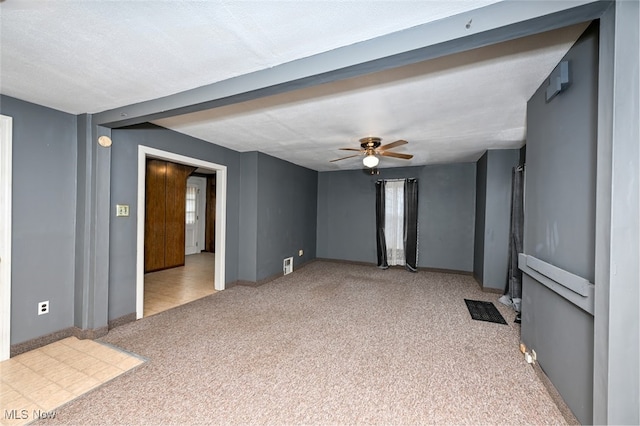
{"points": [[370, 147]]}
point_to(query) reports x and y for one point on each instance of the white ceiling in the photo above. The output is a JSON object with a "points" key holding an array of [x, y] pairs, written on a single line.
{"points": [[91, 56]]}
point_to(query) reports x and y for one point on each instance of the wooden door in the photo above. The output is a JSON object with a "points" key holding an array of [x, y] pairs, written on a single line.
{"points": [[176, 191], [166, 186], [154, 224]]}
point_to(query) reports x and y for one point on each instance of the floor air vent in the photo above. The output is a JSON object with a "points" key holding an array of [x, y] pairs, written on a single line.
{"points": [[287, 265]]}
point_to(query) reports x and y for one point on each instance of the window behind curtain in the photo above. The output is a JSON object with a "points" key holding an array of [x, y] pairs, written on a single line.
{"points": [[191, 205], [394, 221]]}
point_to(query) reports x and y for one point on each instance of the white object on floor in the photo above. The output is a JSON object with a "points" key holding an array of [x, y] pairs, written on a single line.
{"points": [[506, 300], [516, 303]]}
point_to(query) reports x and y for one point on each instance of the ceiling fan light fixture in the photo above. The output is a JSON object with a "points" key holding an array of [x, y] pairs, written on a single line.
{"points": [[370, 161], [371, 149]]}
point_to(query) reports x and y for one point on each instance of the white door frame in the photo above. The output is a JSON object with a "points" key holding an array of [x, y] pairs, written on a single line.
{"points": [[6, 145], [221, 216]]}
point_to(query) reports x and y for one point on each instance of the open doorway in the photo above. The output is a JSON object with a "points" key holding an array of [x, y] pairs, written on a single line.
{"points": [[220, 222], [193, 278], [176, 286]]}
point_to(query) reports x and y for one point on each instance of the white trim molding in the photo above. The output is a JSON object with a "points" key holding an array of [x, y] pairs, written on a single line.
{"points": [[221, 216], [6, 145]]}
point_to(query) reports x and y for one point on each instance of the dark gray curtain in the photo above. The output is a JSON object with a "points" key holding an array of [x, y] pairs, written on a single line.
{"points": [[514, 277], [381, 244], [411, 224]]}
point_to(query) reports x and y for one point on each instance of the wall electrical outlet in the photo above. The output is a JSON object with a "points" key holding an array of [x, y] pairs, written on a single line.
{"points": [[300, 252], [43, 307]]}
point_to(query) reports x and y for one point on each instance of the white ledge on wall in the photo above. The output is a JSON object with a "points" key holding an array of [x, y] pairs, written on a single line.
{"points": [[574, 288]]}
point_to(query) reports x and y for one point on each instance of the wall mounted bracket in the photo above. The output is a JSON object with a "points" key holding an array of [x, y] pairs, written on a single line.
{"points": [[558, 80]]}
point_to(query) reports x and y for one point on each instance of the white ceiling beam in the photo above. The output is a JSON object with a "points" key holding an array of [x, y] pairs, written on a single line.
{"points": [[481, 27]]}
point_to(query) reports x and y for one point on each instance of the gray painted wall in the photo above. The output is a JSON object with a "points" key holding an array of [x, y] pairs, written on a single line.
{"points": [[287, 197], [247, 244], [493, 216], [277, 213], [446, 209], [124, 178], [562, 336], [617, 289], [560, 224], [82, 185], [346, 213], [44, 210], [92, 227]]}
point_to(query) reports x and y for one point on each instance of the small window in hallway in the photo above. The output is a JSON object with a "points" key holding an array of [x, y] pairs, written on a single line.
{"points": [[191, 205]]}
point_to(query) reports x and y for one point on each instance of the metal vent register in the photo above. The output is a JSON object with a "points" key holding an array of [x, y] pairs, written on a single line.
{"points": [[287, 265]]}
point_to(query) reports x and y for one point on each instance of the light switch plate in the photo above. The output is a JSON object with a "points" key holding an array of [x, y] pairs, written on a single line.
{"points": [[122, 210]]}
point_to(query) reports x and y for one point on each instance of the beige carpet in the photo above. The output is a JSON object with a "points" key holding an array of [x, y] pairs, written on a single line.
{"points": [[328, 344]]}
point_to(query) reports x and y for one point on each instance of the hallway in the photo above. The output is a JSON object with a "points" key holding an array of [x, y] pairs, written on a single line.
{"points": [[176, 286]]}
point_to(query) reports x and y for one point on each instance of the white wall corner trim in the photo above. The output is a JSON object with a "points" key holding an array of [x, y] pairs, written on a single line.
{"points": [[221, 216], [6, 144]]}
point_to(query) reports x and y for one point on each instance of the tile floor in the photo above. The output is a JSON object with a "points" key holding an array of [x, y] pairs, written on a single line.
{"points": [[35, 383], [176, 286]]}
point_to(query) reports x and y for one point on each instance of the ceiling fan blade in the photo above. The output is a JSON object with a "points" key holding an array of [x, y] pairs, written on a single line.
{"points": [[352, 149], [391, 145], [344, 158], [396, 155]]}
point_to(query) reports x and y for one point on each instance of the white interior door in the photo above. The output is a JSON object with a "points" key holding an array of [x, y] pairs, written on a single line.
{"points": [[202, 211], [6, 143], [193, 240]]}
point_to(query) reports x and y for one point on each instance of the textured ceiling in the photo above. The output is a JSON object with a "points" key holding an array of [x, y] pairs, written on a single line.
{"points": [[90, 56], [449, 109]]}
